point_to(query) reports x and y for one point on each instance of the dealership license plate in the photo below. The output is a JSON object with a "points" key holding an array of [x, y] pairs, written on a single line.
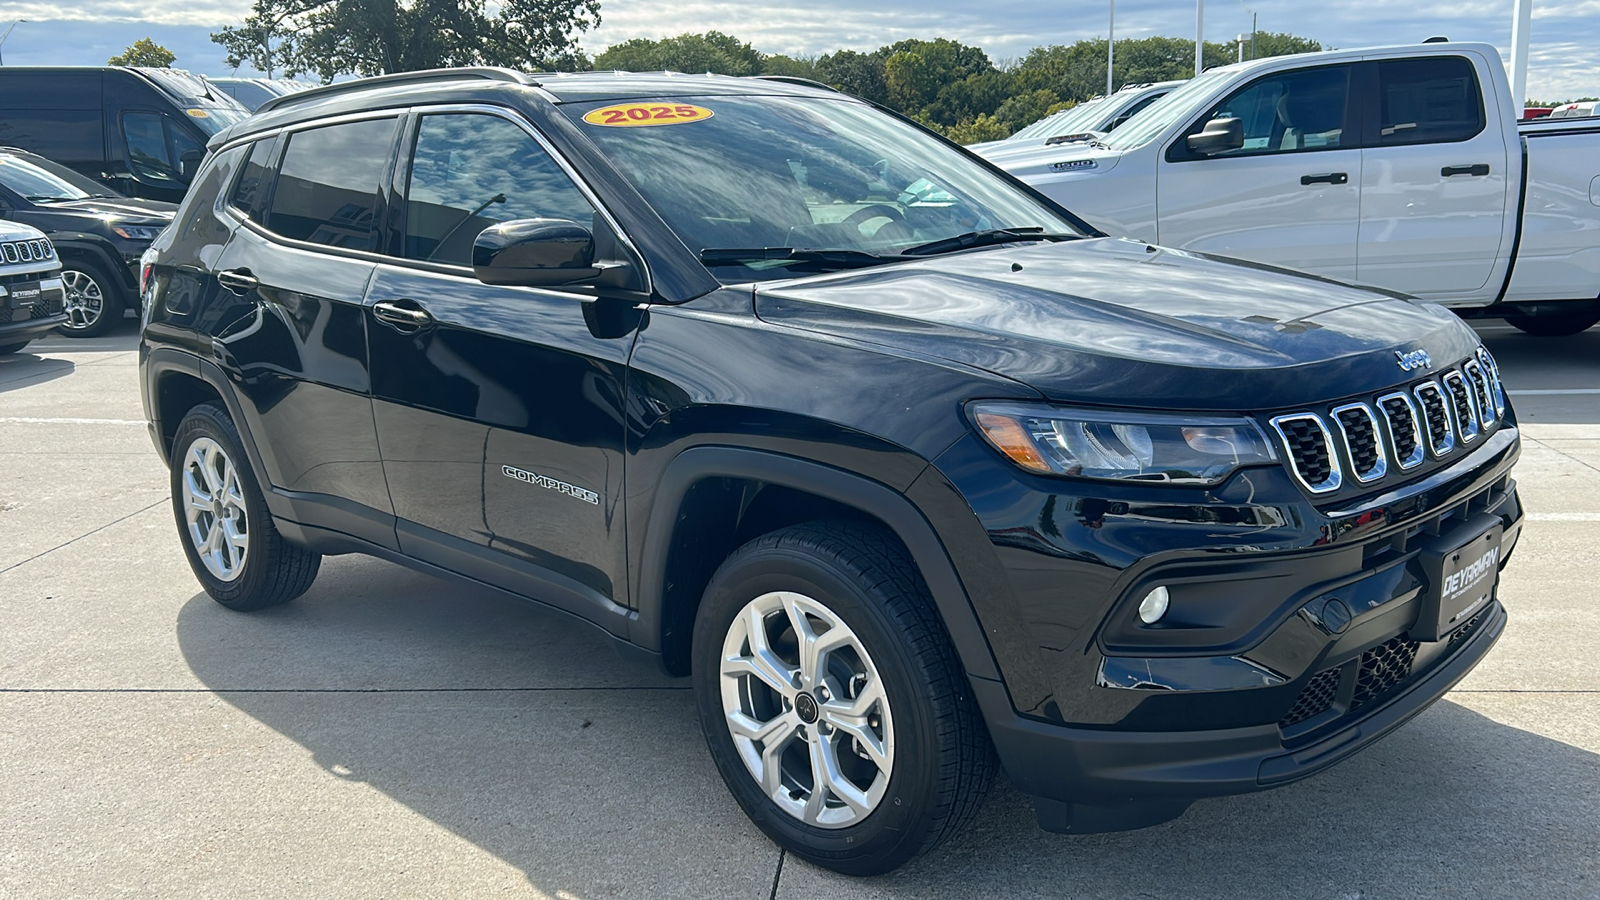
{"points": [[1467, 579], [25, 294]]}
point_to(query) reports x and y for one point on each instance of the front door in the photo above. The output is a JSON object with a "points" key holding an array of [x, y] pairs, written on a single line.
{"points": [[1434, 180], [1290, 196], [499, 409]]}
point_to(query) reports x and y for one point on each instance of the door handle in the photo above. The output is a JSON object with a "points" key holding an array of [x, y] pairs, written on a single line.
{"points": [[238, 281], [1329, 178], [407, 319], [1479, 169]]}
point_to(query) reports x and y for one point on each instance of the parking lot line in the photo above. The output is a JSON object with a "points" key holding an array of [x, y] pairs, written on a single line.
{"points": [[36, 420]]}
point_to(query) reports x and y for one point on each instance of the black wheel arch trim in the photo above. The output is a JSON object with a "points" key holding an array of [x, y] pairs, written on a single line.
{"points": [[100, 251], [847, 488]]}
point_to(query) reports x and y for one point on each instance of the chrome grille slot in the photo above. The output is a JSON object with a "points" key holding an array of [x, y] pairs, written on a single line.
{"points": [[1491, 371], [1400, 418], [1359, 429], [11, 253], [1466, 415], [1482, 393], [1435, 418], [1311, 456]]}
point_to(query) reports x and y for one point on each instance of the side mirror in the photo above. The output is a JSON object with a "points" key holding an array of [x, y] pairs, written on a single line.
{"points": [[1219, 136], [535, 253], [189, 164]]}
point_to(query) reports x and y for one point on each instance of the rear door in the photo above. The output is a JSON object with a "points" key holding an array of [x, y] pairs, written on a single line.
{"points": [[1290, 196], [300, 265], [500, 409], [1435, 178]]}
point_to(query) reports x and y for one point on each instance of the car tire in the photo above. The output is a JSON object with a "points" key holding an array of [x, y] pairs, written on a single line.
{"points": [[8, 349], [93, 301], [227, 533], [1560, 325], [890, 677]]}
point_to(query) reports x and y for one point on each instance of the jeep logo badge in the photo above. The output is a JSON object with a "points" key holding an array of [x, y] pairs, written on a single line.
{"points": [[1416, 359]]}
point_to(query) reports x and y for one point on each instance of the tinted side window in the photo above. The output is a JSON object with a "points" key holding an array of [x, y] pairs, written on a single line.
{"points": [[1285, 113], [471, 171], [251, 188], [1134, 110], [327, 186], [64, 135], [148, 156], [1428, 101]]}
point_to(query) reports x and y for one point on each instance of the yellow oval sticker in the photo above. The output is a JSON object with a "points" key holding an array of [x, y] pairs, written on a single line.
{"points": [[198, 113], [637, 115]]}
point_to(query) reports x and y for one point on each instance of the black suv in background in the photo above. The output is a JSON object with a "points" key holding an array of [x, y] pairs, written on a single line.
{"points": [[139, 131], [900, 462], [98, 233]]}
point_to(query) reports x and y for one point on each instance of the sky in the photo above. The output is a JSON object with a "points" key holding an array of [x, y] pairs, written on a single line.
{"points": [[1562, 59]]}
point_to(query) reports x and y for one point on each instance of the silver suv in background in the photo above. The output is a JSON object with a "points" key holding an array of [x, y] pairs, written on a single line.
{"points": [[30, 286]]}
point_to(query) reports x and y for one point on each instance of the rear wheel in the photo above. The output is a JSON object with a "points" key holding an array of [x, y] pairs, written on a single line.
{"points": [[93, 302], [228, 535], [1559, 325], [832, 700]]}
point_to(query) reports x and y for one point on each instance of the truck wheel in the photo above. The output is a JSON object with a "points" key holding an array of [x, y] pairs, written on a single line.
{"points": [[832, 700], [6, 349], [93, 302], [1556, 325], [228, 535]]}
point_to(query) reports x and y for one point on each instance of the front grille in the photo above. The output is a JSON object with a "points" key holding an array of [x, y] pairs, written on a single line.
{"points": [[1310, 452], [1314, 700], [27, 251], [1435, 420], [1383, 668], [1399, 414], [1461, 403], [1359, 428]]}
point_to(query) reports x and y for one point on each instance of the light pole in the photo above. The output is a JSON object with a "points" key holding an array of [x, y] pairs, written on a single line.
{"points": [[1199, 36], [1111, 45], [1252, 28], [6, 35], [1521, 24]]}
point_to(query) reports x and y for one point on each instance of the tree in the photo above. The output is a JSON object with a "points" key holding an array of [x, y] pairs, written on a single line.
{"points": [[144, 52], [855, 73], [793, 67], [713, 52], [373, 37], [983, 128], [915, 71]]}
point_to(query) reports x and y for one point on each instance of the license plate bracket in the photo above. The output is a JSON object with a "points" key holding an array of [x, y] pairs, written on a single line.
{"points": [[24, 294], [1463, 571]]}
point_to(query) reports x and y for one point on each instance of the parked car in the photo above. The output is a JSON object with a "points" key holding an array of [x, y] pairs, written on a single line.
{"points": [[139, 131], [252, 92], [1402, 167], [1536, 112], [907, 467], [98, 234], [1089, 120], [1583, 109], [30, 286]]}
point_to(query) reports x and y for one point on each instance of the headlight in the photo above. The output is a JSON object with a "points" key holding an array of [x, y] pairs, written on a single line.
{"points": [[138, 232], [1128, 446]]}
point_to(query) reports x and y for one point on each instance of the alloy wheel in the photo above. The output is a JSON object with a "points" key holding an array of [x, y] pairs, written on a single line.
{"points": [[807, 710], [214, 509], [85, 301]]}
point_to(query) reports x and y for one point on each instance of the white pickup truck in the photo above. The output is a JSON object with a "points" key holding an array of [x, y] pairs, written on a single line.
{"points": [[1400, 167]]}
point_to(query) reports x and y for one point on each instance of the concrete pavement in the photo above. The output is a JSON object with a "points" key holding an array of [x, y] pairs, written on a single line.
{"points": [[390, 735]]}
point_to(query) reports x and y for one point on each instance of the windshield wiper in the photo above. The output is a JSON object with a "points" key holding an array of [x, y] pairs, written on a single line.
{"points": [[792, 257], [47, 199], [985, 238]]}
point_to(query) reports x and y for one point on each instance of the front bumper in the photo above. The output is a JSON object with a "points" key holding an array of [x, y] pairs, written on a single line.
{"points": [[24, 323]]}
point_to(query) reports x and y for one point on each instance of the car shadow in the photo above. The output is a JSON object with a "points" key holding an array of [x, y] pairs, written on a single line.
{"points": [[517, 730], [26, 369]]}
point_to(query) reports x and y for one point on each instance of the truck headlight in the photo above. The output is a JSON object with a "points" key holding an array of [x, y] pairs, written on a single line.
{"points": [[138, 232], [1128, 446]]}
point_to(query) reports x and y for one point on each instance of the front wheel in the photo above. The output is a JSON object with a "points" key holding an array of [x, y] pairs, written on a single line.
{"points": [[93, 302], [832, 700], [227, 533], [1559, 325]]}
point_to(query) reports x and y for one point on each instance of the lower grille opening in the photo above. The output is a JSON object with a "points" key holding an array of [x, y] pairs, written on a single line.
{"points": [[1383, 668], [1314, 699]]}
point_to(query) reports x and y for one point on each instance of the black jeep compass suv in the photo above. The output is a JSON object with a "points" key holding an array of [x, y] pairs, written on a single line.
{"points": [[908, 468]]}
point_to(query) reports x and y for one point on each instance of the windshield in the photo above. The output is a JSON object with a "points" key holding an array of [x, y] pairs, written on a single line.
{"points": [[213, 119], [1146, 125], [802, 172], [1070, 121], [44, 181]]}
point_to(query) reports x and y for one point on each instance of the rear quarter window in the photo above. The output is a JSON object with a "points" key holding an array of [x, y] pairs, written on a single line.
{"points": [[326, 191]]}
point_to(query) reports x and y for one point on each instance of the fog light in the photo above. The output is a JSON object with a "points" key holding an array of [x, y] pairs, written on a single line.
{"points": [[1153, 606]]}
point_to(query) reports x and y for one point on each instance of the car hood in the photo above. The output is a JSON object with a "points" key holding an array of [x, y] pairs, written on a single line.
{"points": [[1117, 322], [1037, 160], [17, 231], [118, 208]]}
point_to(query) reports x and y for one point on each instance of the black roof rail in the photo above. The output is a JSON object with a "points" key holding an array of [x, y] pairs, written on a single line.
{"points": [[796, 79], [488, 73]]}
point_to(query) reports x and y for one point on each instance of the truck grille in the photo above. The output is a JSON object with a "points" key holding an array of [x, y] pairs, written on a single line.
{"points": [[27, 251], [1369, 439]]}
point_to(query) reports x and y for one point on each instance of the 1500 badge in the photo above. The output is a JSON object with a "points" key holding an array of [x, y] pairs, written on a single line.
{"points": [[545, 481]]}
